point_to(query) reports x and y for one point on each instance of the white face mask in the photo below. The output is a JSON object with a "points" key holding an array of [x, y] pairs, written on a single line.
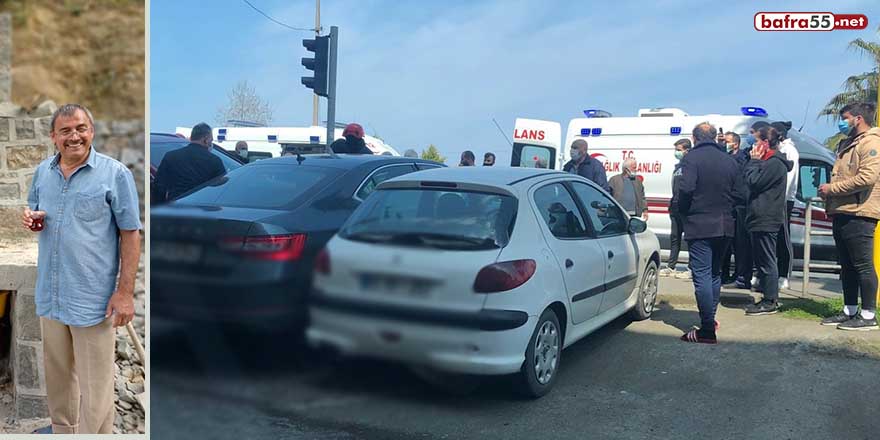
{"points": [[575, 155], [242, 153]]}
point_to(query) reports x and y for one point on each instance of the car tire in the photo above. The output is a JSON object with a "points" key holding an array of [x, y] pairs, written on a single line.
{"points": [[543, 357], [647, 297]]}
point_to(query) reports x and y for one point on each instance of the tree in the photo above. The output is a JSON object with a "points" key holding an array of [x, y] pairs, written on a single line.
{"points": [[431, 153], [245, 105], [857, 88]]}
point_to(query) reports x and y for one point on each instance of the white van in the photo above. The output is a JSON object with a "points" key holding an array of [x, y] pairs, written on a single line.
{"points": [[267, 142], [649, 137]]}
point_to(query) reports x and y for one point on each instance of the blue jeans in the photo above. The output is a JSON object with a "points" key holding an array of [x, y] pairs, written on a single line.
{"points": [[705, 262]]}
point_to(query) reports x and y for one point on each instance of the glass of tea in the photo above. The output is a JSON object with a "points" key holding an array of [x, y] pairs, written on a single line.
{"points": [[37, 224]]}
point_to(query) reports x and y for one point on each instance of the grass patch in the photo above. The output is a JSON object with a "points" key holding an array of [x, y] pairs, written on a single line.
{"points": [[811, 309]]}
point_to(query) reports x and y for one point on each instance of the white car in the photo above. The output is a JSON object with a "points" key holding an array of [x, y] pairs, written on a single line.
{"points": [[482, 271]]}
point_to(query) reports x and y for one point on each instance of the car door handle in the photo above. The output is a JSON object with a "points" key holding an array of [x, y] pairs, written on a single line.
{"points": [[610, 255], [568, 263]]}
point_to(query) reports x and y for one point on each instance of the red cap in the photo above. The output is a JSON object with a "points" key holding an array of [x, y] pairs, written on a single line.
{"points": [[354, 130]]}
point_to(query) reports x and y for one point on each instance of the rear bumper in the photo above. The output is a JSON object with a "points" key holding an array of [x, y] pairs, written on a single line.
{"points": [[265, 305], [454, 345]]}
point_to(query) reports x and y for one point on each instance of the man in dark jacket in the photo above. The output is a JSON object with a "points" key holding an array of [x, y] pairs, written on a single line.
{"points": [[186, 168], [705, 202], [582, 164], [742, 245], [682, 147], [627, 189], [352, 142], [766, 177]]}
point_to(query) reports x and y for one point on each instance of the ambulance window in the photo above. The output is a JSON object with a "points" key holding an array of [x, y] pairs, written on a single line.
{"points": [[534, 157], [812, 174]]}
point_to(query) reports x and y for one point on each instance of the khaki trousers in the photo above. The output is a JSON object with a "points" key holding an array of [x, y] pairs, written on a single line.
{"points": [[80, 376]]}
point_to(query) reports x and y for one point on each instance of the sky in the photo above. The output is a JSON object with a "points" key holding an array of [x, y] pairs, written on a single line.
{"points": [[437, 72]]}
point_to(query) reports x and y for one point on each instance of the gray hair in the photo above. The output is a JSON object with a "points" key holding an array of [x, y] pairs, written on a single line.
{"points": [[630, 164], [68, 110], [200, 131], [579, 143], [410, 153], [705, 132], [241, 144]]}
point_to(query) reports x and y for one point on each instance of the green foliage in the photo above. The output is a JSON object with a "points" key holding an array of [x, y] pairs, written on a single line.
{"points": [[832, 142], [857, 88], [431, 153], [811, 309]]}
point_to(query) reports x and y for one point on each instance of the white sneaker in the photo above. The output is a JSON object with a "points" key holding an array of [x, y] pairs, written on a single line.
{"points": [[684, 275], [666, 272], [754, 281], [783, 283]]}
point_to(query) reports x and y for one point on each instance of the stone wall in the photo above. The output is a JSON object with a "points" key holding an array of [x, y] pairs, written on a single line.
{"points": [[26, 351], [5, 57]]}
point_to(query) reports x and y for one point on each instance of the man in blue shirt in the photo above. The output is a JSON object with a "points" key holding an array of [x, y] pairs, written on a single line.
{"points": [[582, 164], [88, 206]]}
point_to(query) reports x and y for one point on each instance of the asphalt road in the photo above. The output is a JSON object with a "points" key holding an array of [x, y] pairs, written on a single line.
{"points": [[769, 378]]}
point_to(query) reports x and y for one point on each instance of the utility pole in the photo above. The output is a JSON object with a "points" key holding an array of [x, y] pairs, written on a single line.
{"points": [[317, 34], [331, 89]]}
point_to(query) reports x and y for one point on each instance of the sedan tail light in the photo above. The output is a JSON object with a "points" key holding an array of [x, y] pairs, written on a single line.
{"points": [[501, 277], [286, 247], [322, 262]]}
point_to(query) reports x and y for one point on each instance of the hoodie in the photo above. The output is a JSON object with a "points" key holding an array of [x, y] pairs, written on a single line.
{"points": [[766, 180]]}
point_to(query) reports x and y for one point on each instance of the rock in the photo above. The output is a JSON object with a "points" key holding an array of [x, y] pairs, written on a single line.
{"points": [[7, 399], [10, 110], [46, 108], [125, 405], [136, 388], [127, 396], [141, 428]]}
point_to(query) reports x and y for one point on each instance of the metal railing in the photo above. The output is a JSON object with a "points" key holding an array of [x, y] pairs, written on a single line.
{"points": [[808, 232]]}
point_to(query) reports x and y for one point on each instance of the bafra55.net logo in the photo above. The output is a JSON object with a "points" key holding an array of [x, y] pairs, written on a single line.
{"points": [[809, 21]]}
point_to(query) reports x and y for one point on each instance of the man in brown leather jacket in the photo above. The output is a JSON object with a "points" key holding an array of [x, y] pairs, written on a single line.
{"points": [[854, 206], [627, 189]]}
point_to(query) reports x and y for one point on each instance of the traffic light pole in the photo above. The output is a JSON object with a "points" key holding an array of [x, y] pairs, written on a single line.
{"points": [[317, 34], [331, 90]]}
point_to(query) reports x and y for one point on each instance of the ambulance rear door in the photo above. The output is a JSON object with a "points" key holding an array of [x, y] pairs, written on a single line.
{"points": [[536, 144]]}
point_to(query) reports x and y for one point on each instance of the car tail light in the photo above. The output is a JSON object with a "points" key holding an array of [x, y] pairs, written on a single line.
{"points": [[322, 262], [287, 247], [501, 277]]}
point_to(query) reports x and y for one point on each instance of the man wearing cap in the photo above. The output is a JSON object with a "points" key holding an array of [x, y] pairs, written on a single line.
{"points": [[352, 142], [582, 164]]}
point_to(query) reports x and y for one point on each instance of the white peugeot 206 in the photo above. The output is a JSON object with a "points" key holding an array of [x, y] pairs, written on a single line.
{"points": [[482, 271]]}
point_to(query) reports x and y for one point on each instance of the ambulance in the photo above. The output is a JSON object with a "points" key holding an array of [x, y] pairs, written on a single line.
{"points": [[649, 136], [268, 142]]}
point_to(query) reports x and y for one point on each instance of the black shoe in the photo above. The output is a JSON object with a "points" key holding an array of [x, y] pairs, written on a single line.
{"points": [[837, 319], [43, 430], [742, 284], [763, 307], [857, 323]]}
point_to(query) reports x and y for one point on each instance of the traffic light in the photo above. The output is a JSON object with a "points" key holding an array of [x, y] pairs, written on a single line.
{"points": [[321, 47]]}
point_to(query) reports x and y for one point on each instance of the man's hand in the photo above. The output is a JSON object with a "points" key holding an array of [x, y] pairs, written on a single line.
{"points": [[824, 189], [645, 216], [121, 305], [28, 217]]}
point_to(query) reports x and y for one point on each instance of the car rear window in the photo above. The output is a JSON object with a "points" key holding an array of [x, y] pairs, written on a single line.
{"points": [[262, 187], [434, 218], [158, 150]]}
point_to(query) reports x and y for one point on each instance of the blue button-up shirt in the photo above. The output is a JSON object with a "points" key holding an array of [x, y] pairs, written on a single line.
{"points": [[79, 246]]}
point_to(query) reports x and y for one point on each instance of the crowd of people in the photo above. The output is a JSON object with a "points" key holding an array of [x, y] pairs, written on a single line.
{"points": [[732, 198]]}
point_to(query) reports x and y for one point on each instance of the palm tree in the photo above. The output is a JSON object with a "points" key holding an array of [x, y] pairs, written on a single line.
{"points": [[857, 88]]}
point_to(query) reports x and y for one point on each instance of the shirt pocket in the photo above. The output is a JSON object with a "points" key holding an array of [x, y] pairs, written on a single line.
{"points": [[89, 207]]}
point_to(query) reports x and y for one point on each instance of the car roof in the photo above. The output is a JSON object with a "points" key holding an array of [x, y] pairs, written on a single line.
{"points": [[161, 138], [342, 161], [499, 177]]}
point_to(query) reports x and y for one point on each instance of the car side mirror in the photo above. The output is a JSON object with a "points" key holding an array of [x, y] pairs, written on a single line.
{"points": [[637, 225]]}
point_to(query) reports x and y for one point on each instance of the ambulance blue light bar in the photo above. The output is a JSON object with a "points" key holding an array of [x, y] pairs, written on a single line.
{"points": [[314, 139], [221, 137], [597, 132], [222, 131], [273, 138], [585, 132], [754, 111], [596, 113], [674, 131]]}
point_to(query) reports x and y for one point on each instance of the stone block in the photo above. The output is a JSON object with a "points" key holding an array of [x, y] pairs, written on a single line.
{"points": [[24, 129], [26, 367], [4, 128], [126, 128], [113, 146], [31, 407], [44, 126], [22, 279], [102, 129], [27, 156], [10, 191], [132, 157], [25, 319], [46, 108]]}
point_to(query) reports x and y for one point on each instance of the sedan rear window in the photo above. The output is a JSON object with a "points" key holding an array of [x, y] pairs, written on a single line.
{"points": [[261, 186], [158, 150], [433, 218]]}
